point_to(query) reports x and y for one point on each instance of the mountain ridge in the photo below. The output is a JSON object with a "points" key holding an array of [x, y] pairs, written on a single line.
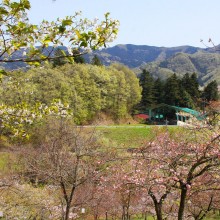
{"points": [[165, 61], [159, 61]]}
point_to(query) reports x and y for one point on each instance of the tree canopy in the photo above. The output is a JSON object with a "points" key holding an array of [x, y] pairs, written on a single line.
{"points": [[30, 42]]}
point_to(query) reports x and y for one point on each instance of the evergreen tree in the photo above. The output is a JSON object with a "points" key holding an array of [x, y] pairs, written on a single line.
{"points": [[186, 99], [172, 91], [96, 61], [211, 91], [190, 85], [159, 91], [148, 92]]}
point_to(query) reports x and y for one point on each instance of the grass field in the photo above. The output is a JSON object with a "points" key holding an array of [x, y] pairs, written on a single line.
{"points": [[134, 136]]}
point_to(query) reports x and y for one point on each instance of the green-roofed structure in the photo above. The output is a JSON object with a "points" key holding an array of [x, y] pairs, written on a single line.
{"points": [[164, 114]]}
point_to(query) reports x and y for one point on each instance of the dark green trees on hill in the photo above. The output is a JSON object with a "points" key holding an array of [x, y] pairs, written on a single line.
{"points": [[211, 91], [190, 85], [174, 91], [148, 89]]}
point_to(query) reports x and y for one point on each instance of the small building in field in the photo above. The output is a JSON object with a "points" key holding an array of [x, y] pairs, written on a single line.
{"points": [[173, 115], [187, 116]]}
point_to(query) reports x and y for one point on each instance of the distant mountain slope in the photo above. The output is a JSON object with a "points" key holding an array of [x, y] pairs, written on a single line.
{"points": [[205, 64], [136, 55], [162, 61]]}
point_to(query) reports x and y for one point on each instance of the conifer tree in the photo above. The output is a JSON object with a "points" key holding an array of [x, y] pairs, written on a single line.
{"points": [[148, 90], [172, 91], [190, 85], [159, 91], [211, 91]]}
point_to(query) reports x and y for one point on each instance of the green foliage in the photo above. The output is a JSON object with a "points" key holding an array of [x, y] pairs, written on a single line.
{"points": [[148, 92], [173, 91], [204, 64], [17, 119], [18, 33], [88, 89], [211, 91]]}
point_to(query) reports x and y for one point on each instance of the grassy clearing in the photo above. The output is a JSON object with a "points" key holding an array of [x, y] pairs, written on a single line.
{"points": [[134, 136], [4, 158]]}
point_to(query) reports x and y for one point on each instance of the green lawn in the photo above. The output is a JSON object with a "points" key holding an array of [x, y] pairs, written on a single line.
{"points": [[134, 136]]}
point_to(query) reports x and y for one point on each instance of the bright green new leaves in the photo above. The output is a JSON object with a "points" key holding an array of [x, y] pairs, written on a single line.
{"points": [[15, 120], [75, 32], [89, 89]]}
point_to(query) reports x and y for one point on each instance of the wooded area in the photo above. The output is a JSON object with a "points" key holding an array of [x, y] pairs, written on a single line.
{"points": [[53, 167]]}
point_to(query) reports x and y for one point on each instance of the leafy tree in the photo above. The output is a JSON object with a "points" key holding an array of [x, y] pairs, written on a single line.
{"points": [[18, 37], [186, 99], [17, 33], [88, 89], [133, 88], [69, 159]]}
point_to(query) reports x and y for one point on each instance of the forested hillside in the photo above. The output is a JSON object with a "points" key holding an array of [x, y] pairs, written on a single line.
{"points": [[159, 61], [205, 65], [88, 89], [162, 62]]}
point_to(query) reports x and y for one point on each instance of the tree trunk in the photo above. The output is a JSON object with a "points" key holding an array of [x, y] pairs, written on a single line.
{"points": [[67, 212], [158, 209], [182, 202]]}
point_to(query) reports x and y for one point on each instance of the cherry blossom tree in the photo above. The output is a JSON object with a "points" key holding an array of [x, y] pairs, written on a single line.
{"points": [[177, 164], [69, 158]]}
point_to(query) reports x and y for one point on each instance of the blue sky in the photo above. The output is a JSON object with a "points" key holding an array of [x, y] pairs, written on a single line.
{"points": [[144, 22]]}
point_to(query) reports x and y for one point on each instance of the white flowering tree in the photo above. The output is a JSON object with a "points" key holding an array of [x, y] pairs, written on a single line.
{"points": [[21, 41], [16, 33], [15, 120]]}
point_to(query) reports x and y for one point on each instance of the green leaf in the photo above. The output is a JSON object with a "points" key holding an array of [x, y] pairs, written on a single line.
{"points": [[26, 4], [34, 63], [3, 11], [84, 44], [70, 59], [47, 40], [62, 29], [3, 72], [66, 22], [78, 34], [15, 5]]}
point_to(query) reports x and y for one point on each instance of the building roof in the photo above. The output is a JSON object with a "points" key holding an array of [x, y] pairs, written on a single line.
{"points": [[195, 113], [142, 116]]}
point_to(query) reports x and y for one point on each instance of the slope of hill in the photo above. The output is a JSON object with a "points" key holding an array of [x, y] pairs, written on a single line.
{"points": [[160, 61], [136, 55], [205, 64]]}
